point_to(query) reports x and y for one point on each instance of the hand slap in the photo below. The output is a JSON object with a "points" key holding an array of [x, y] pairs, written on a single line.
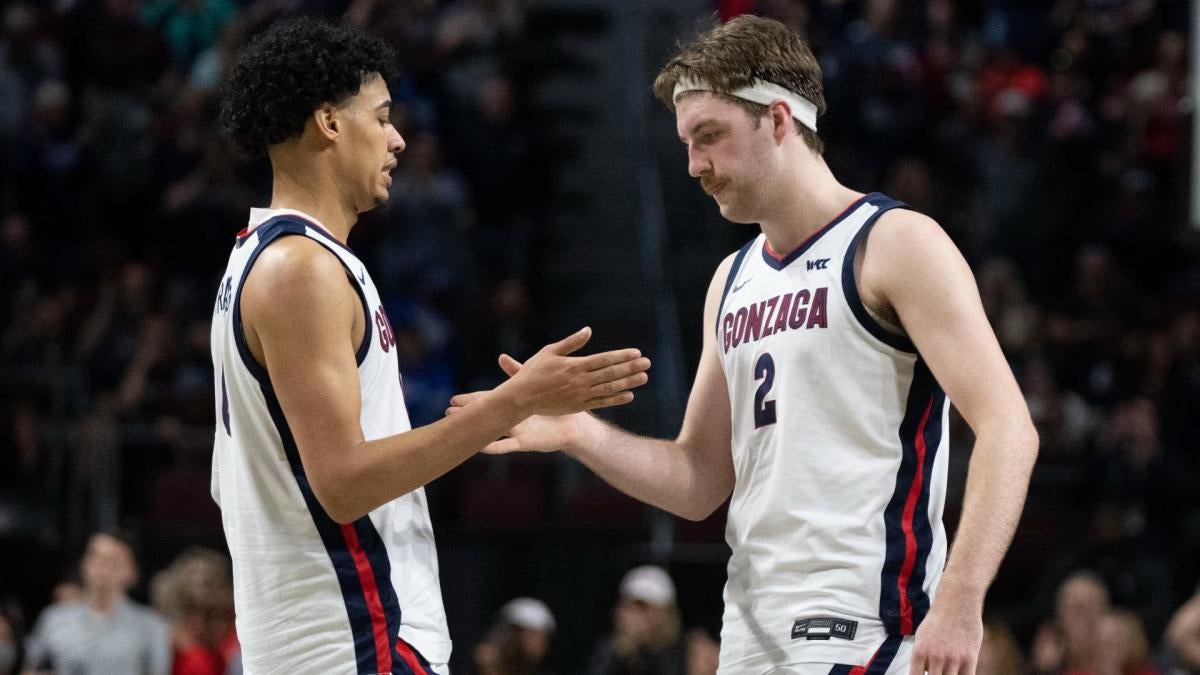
{"points": [[553, 383]]}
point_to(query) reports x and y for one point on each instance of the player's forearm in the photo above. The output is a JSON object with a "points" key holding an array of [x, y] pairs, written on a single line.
{"points": [[662, 473], [997, 482], [376, 472]]}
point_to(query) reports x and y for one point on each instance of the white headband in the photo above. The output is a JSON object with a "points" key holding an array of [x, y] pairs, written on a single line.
{"points": [[762, 93]]}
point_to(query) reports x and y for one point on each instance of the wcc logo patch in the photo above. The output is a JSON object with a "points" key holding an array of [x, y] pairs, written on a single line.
{"points": [[818, 264]]}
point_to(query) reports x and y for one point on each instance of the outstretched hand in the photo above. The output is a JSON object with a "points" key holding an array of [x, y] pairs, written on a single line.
{"points": [[552, 382], [550, 431]]}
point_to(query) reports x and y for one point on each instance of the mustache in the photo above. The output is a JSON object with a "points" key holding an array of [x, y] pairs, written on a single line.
{"points": [[710, 182]]}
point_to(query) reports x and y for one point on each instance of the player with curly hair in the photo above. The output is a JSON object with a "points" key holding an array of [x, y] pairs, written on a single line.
{"points": [[316, 469]]}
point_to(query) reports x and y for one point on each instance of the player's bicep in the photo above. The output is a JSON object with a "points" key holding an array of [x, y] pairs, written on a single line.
{"points": [[929, 285], [302, 311], [707, 427]]}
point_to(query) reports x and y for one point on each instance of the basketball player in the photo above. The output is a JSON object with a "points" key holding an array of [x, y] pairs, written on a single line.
{"points": [[315, 467], [831, 342]]}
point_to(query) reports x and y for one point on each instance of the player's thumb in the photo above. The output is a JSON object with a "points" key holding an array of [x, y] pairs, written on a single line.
{"points": [[572, 342], [509, 365]]}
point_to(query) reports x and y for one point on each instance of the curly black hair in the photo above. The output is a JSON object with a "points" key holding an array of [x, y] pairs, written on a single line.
{"points": [[288, 71]]}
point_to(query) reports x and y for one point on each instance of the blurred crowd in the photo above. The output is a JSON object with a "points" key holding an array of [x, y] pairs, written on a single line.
{"points": [[119, 199], [1050, 138]]}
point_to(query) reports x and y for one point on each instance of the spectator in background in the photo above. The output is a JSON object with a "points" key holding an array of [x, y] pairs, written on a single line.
{"points": [[1006, 302], [196, 595], [1122, 647], [703, 653], [518, 642], [1068, 642], [646, 628], [189, 27], [1000, 654], [107, 632], [12, 635]]}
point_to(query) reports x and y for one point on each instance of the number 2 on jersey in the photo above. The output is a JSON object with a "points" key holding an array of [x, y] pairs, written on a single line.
{"points": [[764, 410]]}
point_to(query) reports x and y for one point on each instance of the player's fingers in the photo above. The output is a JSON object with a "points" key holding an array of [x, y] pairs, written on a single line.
{"points": [[916, 666], [959, 664], [571, 343], [609, 401], [606, 359], [502, 446], [460, 400], [619, 370], [617, 386], [509, 365]]}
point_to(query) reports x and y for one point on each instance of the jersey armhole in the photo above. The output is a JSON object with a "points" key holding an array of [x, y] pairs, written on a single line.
{"points": [[850, 284], [733, 272], [280, 228]]}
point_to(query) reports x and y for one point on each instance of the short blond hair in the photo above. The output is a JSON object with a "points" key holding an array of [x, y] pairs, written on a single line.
{"points": [[734, 54]]}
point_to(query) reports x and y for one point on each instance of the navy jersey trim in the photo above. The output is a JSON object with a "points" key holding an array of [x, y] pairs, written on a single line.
{"points": [[225, 404], [903, 602], [362, 606], [733, 271], [850, 284], [780, 263], [269, 232], [883, 658]]}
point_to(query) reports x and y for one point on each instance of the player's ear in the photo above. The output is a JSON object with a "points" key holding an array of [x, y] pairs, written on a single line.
{"points": [[781, 120], [325, 119]]}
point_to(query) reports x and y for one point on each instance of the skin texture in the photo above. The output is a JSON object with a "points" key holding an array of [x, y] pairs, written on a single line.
{"points": [[911, 278]]}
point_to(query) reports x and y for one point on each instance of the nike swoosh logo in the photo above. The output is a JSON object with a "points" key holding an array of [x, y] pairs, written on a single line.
{"points": [[738, 287], [362, 275]]}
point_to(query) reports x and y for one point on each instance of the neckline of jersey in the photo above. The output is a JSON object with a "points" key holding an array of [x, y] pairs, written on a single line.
{"points": [[299, 215], [779, 262]]}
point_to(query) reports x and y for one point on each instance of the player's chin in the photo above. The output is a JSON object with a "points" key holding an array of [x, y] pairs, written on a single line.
{"points": [[733, 214]]}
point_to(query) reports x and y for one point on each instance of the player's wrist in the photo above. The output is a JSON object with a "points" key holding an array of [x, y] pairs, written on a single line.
{"points": [[961, 595], [511, 404], [584, 432]]}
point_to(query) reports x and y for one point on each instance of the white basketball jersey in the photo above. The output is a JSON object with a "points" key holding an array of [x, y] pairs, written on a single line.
{"points": [[839, 437], [312, 595]]}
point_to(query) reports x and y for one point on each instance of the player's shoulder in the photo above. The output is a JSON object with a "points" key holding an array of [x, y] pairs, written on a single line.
{"points": [[297, 276], [295, 263], [906, 248], [903, 229]]}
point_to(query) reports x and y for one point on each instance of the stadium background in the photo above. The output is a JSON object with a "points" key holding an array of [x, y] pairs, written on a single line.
{"points": [[543, 189]]}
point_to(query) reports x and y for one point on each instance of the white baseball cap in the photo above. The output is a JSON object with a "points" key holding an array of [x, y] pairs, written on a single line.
{"points": [[650, 584], [528, 613]]}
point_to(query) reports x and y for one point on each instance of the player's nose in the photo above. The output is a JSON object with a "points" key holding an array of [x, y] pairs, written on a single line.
{"points": [[697, 163], [395, 142]]}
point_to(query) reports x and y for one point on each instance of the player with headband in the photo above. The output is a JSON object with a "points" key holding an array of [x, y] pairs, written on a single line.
{"points": [[834, 341]]}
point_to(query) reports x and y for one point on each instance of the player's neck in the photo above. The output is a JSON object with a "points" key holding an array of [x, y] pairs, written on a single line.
{"points": [[812, 199], [316, 195]]}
